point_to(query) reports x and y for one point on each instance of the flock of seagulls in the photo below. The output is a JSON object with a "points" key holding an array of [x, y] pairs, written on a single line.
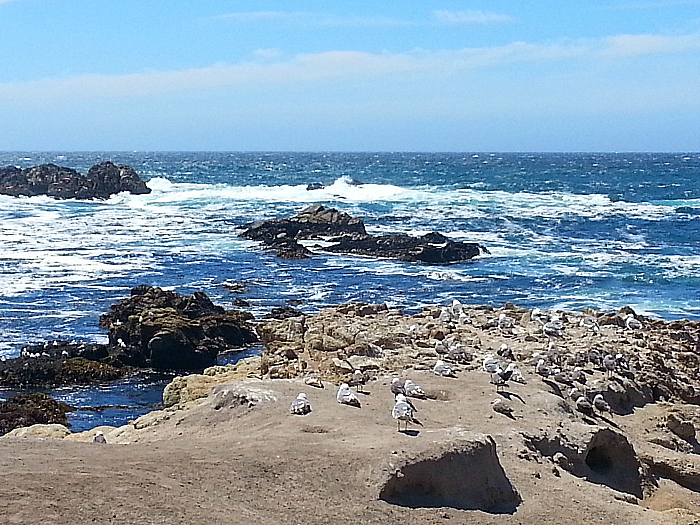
{"points": [[556, 364]]}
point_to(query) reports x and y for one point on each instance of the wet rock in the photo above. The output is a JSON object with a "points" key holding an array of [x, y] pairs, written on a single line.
{"points": [[59, 182], [167, 331], [24, 410], [44, 371]]}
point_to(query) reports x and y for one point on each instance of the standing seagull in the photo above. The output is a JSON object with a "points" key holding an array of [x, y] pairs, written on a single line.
{"points": [[300, 405], [347, 396], [358, 380], [500, 377], [609, 364], [403, 411]]}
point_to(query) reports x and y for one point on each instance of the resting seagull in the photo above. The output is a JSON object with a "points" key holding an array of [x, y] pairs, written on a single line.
{"points": [[300, 405], [347, 396], [403, 411], [502, 408], [410, 389], [99, 437], [443, 369], [601, 404], [397, 386]]}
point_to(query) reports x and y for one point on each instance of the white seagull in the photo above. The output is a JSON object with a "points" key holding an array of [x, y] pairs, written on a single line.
{"points": [[403, 411], [99, 437], [347, 396], [443, 369], [300, 405], [410, 389]]}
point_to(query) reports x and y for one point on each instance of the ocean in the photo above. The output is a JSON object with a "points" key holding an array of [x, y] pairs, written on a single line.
{"points": [[564, 231]]}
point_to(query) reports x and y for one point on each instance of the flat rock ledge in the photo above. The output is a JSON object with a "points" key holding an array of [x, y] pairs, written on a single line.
{"points": [[101, 181], [348, 235]]}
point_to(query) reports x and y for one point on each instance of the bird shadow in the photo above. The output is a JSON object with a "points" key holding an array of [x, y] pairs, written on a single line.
{"points": [[510, 395], [556, 389], [412, 433], [364, 392], [609, 421]]}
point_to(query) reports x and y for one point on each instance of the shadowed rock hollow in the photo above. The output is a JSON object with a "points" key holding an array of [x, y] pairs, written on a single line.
{"points": [[467, 476]]}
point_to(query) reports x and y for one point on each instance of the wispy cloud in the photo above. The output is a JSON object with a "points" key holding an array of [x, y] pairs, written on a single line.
{"points": [[313, 19], [470, 17], [271, 67]]}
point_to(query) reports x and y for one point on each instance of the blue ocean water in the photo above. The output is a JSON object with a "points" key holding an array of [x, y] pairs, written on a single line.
{"points": [[563, 230]]}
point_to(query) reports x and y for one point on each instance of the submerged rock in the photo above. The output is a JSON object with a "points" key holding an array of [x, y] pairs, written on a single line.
{"points": [[101, 181], [24, 410]]}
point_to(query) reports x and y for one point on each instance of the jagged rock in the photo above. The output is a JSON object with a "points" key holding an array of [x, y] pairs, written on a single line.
{"points": [[168, 331], [59, 182], [433, 248], [24, 410], [350, 236], [683, 429], [45, 371], [312, 222]]}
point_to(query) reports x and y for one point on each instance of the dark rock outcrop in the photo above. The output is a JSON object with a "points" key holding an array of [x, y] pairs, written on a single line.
{"points": [[23, 410], [350, 236], [167, 331], [59, 182], [433, 248], [45, 371]]}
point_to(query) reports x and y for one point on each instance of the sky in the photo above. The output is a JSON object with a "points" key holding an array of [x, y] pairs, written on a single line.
{"points": [[258, 75]]}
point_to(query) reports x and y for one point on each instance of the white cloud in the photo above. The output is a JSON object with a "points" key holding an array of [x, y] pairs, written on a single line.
{"points": [[470, 17], [271, 68]]}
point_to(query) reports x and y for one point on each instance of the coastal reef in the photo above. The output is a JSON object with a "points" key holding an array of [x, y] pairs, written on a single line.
{"points": [[153, 329], [544, 417], [101, 181], [347, 234]]}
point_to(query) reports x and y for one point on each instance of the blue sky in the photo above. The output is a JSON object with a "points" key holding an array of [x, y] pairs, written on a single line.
{"points": [[350, 75]]}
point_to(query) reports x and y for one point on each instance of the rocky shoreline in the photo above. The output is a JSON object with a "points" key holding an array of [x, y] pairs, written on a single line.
{"points": [[637, 462]]}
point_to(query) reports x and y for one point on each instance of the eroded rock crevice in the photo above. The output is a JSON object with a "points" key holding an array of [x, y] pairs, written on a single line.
{"points": [[468, 476]]}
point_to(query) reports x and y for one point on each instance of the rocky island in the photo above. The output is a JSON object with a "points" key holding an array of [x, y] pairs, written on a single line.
{"points": [[101, 181], [348, 235]]}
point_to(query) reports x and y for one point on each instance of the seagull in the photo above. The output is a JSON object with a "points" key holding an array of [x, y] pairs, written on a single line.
{"points": [[403, 411], [584, 405], [601, 404], [609, 364], [445, 315], [397, 387], [490, 364], [358, 379], [347, 396], [500, 377], [506, 351], [589, 323], [553, 328], [502, 408], [575, 394], [99, 437], [517, 375], [542, 369], [632, 323], [410, 389], [442, 369], [440, 347], [300, 405], [457, 308]]}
